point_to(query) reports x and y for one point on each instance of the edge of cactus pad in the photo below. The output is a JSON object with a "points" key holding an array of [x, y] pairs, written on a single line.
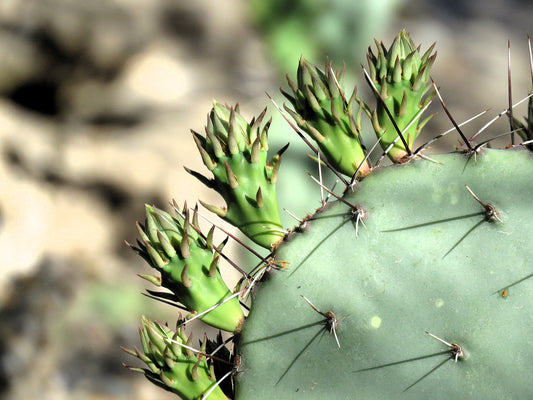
{"points": [[428, 260]]}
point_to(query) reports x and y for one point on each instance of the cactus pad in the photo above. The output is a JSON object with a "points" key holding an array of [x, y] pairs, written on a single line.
{"points": [[429, 260]]}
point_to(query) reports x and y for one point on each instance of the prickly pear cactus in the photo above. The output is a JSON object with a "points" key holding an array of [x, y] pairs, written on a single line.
{"points": [[412, 281]]}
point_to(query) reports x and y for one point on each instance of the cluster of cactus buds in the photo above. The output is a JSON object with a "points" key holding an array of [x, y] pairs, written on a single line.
{"points": [[236, 154], [173, 365], [188, 264], [400, 79]]}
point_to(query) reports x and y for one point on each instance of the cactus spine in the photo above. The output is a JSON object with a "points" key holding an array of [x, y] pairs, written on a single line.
{"points": [[431, 300]]}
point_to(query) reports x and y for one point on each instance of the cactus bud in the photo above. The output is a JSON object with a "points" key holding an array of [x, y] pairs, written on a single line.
{"points": [[172, 366], [236, 153], [322, 111], [400, 76], [188, 267]]}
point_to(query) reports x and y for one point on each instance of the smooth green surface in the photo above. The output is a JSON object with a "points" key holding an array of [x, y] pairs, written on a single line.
{"points": [[427, 261]]}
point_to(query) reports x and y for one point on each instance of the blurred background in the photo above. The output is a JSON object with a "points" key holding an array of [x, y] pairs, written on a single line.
{"points": [[96, 102]]}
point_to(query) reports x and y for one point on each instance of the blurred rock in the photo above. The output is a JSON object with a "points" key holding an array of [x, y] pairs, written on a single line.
{"points": [[21, 62], [157, 77]]}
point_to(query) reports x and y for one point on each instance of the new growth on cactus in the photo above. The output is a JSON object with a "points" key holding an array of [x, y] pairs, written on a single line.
{"points": [[188, 264], [236, 154], [400, 79], [173, 364], [324, 112], [431, 299]]}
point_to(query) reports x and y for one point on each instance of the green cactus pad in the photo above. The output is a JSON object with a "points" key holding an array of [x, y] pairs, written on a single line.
{"points": [[414, 285], [189, 268], [430, 259]]}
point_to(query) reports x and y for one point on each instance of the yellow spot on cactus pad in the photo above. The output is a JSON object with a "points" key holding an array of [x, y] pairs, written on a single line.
{"points": [[375, 322], [439, 303]]}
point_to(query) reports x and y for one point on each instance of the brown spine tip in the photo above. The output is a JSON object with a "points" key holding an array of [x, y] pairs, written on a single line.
{"points": [[232, 141], [403, 105], [217, 147], [213, 267], [375, 121], [185, 278], [232, 179], [206, 158], [334, 112], [214, 209], [166, 380], [259, 198], [212, 375], [314, 132], [195, 220], [384, 89], [256, 146], [194, 371], [209, 238], [184, 245], [312, 100]]}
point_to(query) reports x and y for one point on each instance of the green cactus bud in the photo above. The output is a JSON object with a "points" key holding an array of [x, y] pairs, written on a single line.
{"points": [[188, 267], [173, 366], [235, 151], [400, 78], [525, 130], [322, 110]]}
